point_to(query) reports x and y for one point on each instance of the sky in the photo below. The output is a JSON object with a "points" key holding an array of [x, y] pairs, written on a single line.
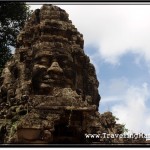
{"points": [[116, 38]]}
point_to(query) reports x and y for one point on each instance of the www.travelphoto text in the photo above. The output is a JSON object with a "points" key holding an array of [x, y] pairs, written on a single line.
{"points": [[105, 135]]}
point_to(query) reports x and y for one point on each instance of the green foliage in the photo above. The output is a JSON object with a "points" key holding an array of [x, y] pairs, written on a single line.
{"points": [[12, 18], [125, 130], [121, 127]]}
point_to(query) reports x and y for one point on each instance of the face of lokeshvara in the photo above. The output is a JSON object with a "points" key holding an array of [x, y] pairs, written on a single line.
{"points": [[52, 70]]}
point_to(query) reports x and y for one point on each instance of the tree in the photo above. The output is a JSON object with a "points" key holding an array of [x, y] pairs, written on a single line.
{"points": [[12, 18]]}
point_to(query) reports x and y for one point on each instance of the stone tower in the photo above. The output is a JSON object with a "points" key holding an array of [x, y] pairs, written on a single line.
{"points": [[49, 89]]}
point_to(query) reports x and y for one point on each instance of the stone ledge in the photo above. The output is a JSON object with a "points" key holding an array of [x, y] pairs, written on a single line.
{"points": [[75, 108]]}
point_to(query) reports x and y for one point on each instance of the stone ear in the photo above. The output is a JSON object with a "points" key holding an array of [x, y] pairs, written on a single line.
{"points": [[14, 71], [1, 80], [3, 90], [23, 56]]}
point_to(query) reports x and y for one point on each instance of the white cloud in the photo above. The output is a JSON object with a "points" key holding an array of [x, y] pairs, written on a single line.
{"points": [[35, 5], [117, 86], [114, 90], [116, 29], [128, 102], [108, 99], [133, 111]]}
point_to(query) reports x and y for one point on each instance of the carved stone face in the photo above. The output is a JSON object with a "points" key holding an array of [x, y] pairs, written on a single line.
{"points": [[52, 70]]}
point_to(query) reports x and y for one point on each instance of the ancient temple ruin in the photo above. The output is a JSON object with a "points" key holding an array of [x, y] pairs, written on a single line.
{"points": [[49, 89]]}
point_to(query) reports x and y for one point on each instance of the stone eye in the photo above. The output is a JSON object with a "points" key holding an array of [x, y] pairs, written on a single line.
{"points": [[62, 63], [44, 61]]}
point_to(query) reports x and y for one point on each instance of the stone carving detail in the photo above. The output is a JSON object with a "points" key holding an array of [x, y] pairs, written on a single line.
{"points": [[49, 89]]}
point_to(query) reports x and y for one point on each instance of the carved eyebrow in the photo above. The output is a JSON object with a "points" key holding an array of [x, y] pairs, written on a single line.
{"points": [[45, 53], [41, 59], [41, 56]]}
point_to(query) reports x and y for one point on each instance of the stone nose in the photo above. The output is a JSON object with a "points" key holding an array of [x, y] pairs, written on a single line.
{"points": [[55, 68]]}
